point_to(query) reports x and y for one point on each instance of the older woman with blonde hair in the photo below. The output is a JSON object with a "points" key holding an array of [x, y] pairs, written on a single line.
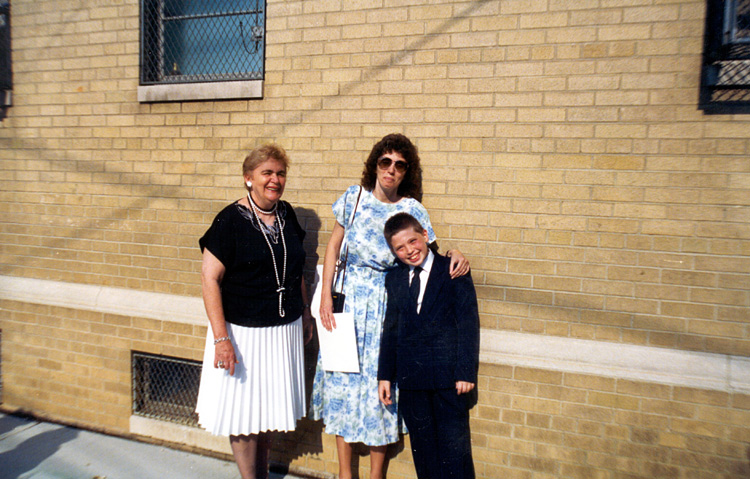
{"points": [[256, 300]]}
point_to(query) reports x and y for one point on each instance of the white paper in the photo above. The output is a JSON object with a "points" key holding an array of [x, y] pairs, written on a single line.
{"points": [[338, 348]]}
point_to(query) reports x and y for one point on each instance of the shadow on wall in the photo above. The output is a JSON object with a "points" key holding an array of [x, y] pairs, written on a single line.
{"points": [[138, 190], [310, 222], [136, 194], [307, 439]]}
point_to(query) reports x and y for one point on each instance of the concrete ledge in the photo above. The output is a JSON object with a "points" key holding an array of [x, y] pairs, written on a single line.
{"points": [[104, 299], [227, 90], [616, 360], [179, 434]]}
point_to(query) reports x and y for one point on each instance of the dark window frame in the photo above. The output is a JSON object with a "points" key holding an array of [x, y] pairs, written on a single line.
{"points": [[6, 60], [725, 76], [201, 49]]}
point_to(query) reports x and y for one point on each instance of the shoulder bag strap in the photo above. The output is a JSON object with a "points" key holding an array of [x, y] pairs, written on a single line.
{"points": [[341, 263]]}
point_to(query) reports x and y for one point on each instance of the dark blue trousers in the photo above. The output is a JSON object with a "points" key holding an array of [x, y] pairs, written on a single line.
{"points": [[438, 423]]}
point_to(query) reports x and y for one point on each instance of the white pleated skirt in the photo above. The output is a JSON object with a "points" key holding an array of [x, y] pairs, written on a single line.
{"points": [[267, 391]]}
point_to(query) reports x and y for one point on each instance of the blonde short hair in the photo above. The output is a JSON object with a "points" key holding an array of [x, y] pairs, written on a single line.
{"points": [[263, 153]]}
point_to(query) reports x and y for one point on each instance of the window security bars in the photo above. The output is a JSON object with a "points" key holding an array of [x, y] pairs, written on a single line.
{"points": [[737, 22], [6, 65], [165, 388], [726, 56], [188, 41], [6, 68]]}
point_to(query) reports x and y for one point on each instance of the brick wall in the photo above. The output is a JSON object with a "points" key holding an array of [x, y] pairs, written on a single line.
{"points": [[563, 153], [74, 364]]}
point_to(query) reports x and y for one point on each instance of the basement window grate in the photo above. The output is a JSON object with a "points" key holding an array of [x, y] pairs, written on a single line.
{"points": [[165, 388]]}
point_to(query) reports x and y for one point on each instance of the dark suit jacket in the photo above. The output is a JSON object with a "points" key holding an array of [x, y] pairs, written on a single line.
{"points": [[438, 346]]}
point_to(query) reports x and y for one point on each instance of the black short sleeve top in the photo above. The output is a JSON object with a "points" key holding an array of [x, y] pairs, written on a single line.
{"points": [[249, 288]]}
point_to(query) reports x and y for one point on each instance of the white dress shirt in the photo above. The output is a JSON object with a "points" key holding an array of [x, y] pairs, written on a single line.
{"points": [[426, 267]]}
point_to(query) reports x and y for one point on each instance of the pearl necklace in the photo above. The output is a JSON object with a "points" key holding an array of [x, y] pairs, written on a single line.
{"points": [[258, 208], [279, 283], [270, 229]]}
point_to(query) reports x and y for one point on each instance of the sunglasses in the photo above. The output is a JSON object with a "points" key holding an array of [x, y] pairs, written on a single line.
{"points": [[384, 163]]}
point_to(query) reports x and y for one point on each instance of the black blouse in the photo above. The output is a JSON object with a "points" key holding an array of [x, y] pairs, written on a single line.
{"points": [[248, 288]]}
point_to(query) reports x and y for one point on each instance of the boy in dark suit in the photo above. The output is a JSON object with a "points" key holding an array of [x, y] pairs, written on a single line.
{"points": [[430, 348]]}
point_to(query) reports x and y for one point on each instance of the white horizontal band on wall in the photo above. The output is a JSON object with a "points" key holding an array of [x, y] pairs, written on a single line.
{"points": [[616, 360], [105, 299]]}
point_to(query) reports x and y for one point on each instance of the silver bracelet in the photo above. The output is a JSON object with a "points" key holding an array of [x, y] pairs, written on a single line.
{"points": [[217, 341]]}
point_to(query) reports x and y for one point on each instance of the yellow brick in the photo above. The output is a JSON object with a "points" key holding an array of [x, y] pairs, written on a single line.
{"points": [[558, 141], [614, 401], [537, 375]]}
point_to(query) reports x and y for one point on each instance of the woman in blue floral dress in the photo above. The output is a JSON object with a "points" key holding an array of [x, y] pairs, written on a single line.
{"points": [[348, 403]]}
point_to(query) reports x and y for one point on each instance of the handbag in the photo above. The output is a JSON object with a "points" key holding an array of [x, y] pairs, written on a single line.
{"points": [[339, 297]]}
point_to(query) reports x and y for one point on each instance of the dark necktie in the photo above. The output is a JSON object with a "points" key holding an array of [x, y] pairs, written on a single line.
{"points": [[414, 286]]}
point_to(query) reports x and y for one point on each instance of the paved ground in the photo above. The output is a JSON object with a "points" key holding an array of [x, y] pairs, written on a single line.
{"points": [[30, 449]]}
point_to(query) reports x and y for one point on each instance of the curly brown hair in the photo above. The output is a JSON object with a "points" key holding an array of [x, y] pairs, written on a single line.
{"points": [[411, 185]]}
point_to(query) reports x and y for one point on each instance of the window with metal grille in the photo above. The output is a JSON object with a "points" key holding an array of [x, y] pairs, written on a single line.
{"points": [[6, 66], [201, 41], [165, 388], [725, 80]]}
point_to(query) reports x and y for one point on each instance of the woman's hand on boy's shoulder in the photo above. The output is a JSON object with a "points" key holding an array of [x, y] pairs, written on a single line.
{"points": [[459, 265]]}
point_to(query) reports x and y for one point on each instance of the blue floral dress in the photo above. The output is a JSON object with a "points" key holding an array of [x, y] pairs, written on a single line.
{"points": [[348, 403]]}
